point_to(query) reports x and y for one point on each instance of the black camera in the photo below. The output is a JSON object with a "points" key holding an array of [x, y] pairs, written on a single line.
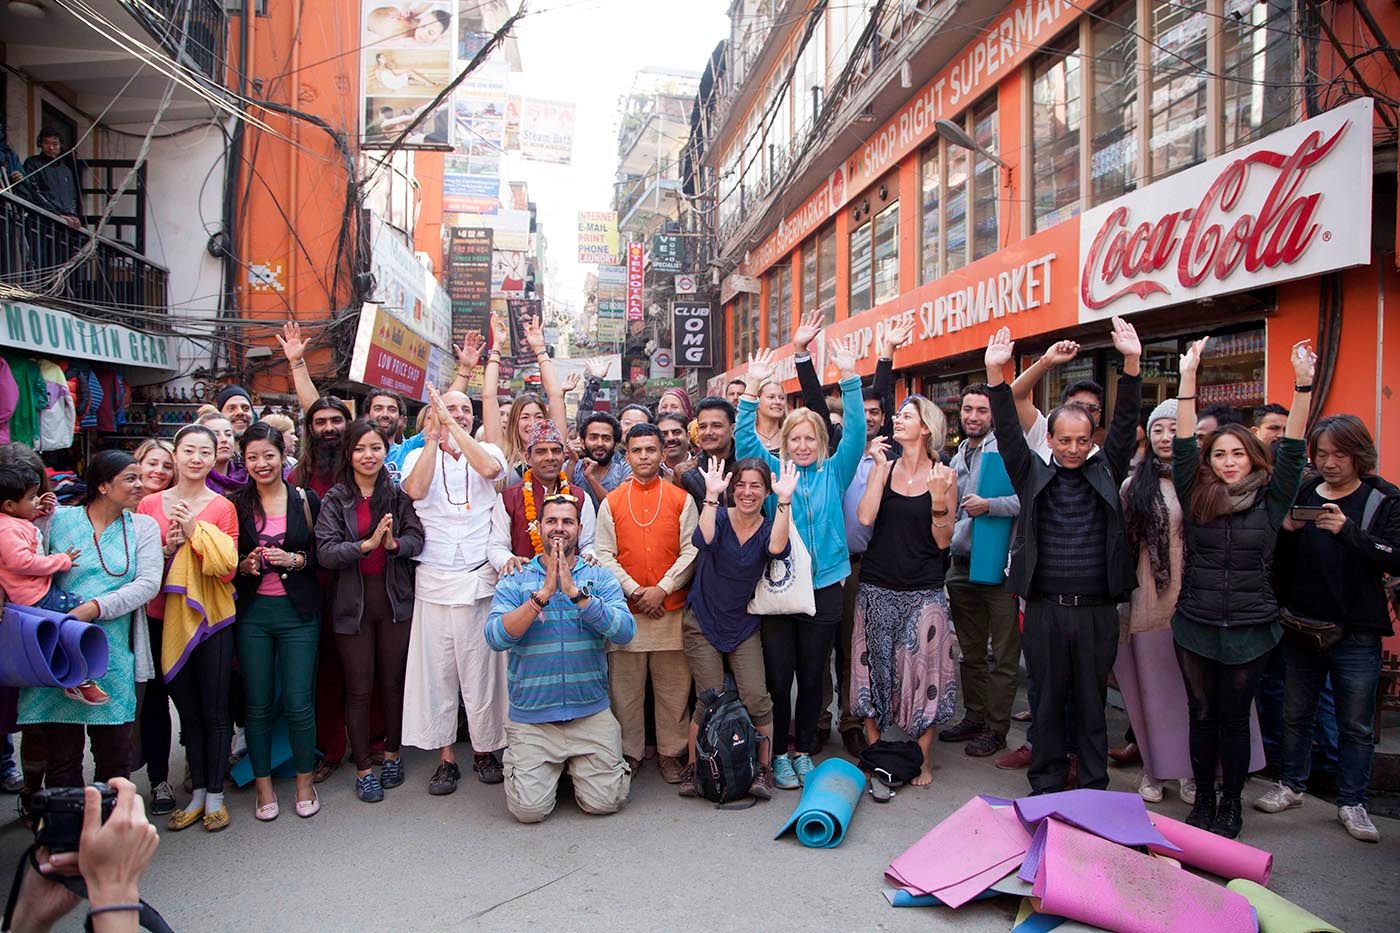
{"points": [[58, 815]]}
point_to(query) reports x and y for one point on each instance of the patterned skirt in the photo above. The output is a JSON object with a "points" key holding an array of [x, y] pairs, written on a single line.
{"points": [[903, 671]]}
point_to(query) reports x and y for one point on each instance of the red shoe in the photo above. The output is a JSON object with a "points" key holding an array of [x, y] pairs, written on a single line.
{"points": [[87, 692], [1125, 755], [1015, 761]]}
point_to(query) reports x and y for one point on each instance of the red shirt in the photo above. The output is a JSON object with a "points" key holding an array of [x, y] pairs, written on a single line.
{"points": [[373, 563]]}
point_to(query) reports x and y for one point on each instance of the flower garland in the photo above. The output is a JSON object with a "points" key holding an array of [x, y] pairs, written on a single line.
{"points": [[532, 523]]}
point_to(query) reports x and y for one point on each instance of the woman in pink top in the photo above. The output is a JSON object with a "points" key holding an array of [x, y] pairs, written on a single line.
{"points": [[279, 603], [200, 688]]}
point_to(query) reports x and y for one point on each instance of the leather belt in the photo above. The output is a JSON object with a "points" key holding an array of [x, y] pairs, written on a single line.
{"points": [[1074, 601]]}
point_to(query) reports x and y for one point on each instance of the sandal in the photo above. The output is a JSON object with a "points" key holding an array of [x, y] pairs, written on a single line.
{"points": [[880, 791]]}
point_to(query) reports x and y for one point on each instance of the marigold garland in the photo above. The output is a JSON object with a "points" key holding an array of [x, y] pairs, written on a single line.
{"points": [[532, 524]]}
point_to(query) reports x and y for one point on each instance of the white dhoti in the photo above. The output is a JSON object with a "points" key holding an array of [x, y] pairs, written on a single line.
{"points": [[448, 656]]}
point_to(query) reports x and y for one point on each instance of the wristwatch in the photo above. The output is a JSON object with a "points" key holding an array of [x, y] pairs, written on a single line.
{"points": [[584, 592]]}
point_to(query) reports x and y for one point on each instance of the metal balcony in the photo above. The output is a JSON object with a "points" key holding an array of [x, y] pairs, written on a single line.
{"points": [[203, 37], [35, 243]]}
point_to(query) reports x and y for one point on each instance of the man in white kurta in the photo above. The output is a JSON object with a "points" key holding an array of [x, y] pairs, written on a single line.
{"points": [[452, 481]]}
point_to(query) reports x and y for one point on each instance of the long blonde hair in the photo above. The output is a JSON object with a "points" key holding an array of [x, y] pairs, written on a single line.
{"points": [[800, 416], [510, 444], [932, 417]]}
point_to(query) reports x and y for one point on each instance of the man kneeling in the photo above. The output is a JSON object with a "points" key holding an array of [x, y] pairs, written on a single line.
{"points": [[553, 616]]}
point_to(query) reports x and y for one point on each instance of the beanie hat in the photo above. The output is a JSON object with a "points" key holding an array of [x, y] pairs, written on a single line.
{"points": [[228, 392], [1165, 410], [546, 432]]}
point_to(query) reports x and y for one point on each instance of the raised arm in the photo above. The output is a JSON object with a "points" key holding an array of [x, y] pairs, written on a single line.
{"points": [[807, 376], [746, 442], [1189, 363], [784, 486], [468, 355], [716, 484], [549, 379], [294, 348], [896, 335], [491, 385], [1011, 438], [869, 506], [847, 455], [419, 476], [1304, 364], [1058, 354], [483, 462], [1122, 430]]}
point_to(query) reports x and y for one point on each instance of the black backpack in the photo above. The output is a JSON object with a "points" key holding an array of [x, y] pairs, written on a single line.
{"points": [[726, 750]]}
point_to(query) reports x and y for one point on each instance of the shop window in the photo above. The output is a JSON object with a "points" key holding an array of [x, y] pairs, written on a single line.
{"points": [[809, 276], [955, 208], [947, 395], [1177, 106], [745, 327], [779, 305], [1056, 116], [930, 245], [826, 273], [887, 254], [860, 268], [1259, 54], [986, 182], [1113, 164]]}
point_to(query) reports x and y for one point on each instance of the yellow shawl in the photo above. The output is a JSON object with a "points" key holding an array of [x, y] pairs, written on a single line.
{"points": [[200, 594]]}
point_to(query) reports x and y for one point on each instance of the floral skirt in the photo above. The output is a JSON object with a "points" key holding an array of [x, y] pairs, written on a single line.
{"points": [[903, 671]]}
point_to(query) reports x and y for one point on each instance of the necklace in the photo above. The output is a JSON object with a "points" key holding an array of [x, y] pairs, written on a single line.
{"points": [[532, 524], [630, 511], [126, 550], [466, 502]]}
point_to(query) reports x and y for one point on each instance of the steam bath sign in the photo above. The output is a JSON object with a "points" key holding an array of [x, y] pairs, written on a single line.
{"points": [[1296, 203], [46, 331]]}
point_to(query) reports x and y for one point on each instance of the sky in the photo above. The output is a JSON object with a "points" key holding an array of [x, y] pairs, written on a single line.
{"points": [[587, 51]]}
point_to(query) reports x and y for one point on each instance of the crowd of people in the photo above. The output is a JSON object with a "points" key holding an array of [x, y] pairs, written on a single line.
{"points": [[569, 587]]}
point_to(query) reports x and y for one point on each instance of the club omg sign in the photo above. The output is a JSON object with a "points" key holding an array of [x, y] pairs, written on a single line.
{"points": [[691, 334]]}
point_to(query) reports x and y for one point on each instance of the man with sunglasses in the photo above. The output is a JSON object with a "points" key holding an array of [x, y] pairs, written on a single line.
{"points": [[554, 619]]}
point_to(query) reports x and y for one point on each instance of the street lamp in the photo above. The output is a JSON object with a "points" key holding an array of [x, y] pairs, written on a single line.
{"points": [[957, 136]]}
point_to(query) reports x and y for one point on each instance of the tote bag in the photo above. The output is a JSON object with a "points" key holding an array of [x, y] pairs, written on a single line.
{"points": [[786, 585]]}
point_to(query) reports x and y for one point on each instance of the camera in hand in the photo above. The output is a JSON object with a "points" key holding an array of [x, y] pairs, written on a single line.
{"points": [[58, 815]]}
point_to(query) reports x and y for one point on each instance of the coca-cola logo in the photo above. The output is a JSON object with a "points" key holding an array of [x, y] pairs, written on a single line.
{"points": [[1210, 240]]}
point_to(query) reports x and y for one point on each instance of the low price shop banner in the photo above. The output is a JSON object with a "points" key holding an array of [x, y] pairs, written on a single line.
{"points": [[389, 354]]}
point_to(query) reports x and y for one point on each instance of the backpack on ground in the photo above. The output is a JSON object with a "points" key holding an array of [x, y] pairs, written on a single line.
{"points": [[726, 750]]}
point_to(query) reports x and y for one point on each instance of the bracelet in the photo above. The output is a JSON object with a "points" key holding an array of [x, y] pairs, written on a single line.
{"points": [[1306, 388], [113, 908], [539, 603], [941, 524], [783, 505], [713, 502], [299, 363], [1186, 398], [938, 514]]}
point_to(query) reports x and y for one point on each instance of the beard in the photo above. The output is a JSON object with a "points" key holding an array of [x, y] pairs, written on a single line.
{"points": [[324, 453], [599, 455], [983, 432]]}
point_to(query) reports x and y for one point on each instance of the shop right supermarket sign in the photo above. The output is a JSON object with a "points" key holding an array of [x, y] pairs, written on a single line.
{"points": [[1294, 204]]}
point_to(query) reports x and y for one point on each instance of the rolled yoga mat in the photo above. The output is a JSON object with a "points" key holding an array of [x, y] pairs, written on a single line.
{"points": [[991, 534], [1205, 850], [39, 648], [1278, 914], [830, 794]]}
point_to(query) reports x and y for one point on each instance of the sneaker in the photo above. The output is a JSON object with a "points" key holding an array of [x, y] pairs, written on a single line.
{"points": [[162, 799], [688, 787], [88, 692], [369, 789], [1150, 790], [963, 731], [1015, 761], [784, 777], [1358, 823], [391, 775], [488, 769], [12, 780], [444, 779], [802, 765], [762, 786], [1186, 790], [1280, 797], [984, 746], [1229, 818]]}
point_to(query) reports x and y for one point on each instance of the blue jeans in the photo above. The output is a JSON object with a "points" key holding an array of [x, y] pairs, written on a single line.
{"points": [[56, 600], [1354, 664], [1270, 708]]}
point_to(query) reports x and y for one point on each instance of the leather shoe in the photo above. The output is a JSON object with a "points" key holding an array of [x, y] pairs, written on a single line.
{"points": [[216, 821], [184, 819], [984, 745], [963, 731], [1015, 761], [854, 740], [1125, 755], [672, 768]]}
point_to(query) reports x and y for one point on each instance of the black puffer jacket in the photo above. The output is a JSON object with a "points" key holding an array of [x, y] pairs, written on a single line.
{"points": [[1227, 578]]}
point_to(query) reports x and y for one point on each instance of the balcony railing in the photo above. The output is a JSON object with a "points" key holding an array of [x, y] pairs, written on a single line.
{"points": [[35, 244], [203, 41]]}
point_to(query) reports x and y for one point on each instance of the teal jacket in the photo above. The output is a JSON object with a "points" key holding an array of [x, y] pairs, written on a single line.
{"points": [[816, 506]]}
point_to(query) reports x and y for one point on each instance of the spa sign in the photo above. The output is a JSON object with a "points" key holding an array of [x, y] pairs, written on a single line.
{"points": [[47, 331]]}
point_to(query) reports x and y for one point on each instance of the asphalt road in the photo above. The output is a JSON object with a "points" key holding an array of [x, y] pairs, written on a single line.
{"points": [[419, 862]]}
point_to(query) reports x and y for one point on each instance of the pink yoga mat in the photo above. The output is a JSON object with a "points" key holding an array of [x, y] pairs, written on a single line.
{"points": [[1094, 881], [1216, 854], [963, 855]]}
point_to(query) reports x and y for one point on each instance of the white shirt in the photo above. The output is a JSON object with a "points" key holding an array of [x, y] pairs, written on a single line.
{"points": [[455, 536]]}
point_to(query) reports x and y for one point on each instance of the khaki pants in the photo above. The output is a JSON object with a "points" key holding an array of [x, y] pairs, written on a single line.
{"points": [[670, 687], [537, 754], [448, 655], [746, 662], [983, 614]]}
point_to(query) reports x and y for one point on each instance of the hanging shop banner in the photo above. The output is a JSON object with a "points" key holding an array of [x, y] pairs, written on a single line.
{"points": [[466, 193], [1284, 207], [469, 281], [508, 271], [636, 266], [547, 131], [441, 366], [389, 354], [685, 284], [597, 237], [511, 228], [406, 61], [49, 332], [520, 313], [405, 288], [666, 253], [691, 335]]}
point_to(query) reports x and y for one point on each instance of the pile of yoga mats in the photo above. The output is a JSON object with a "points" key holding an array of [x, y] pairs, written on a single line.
{"points": [[39, 648], [1277, 914], [830, 795]]}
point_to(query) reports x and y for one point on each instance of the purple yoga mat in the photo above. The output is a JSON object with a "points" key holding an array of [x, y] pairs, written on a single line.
{"points": [[1113, 815], [39, 648]]}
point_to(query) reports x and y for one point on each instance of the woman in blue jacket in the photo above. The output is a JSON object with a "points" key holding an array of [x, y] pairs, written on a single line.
{"points": [[798, 645]]}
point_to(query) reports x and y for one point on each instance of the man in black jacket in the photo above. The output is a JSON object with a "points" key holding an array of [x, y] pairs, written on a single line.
{"points": [[1070, 559], [56, 175]]}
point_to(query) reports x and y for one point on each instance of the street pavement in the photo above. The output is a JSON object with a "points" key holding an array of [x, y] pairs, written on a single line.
{"points": [[419, 862]]}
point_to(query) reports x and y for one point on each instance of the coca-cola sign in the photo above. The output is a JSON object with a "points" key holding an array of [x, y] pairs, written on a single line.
{"points": [[1295, 203]]}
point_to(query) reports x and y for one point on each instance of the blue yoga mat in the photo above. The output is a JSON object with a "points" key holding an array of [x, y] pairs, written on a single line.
{"points": [[991, 534], [39, 648], [830, 794], [242, 772]]}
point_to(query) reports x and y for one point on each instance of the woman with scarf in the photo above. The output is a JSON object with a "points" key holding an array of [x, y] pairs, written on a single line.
{"points": [[1226, 621], [227, 475]]}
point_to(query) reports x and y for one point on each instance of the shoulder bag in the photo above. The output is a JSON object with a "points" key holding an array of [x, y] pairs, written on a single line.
{"points": [[786, 585]]}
